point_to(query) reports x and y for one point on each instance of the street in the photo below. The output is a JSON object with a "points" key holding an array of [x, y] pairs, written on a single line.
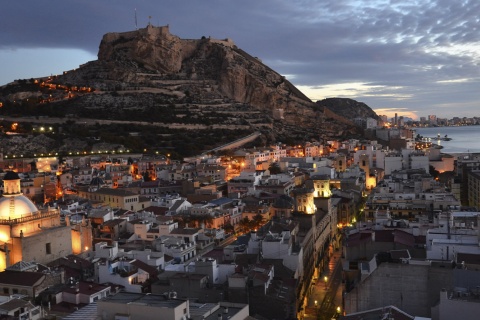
{"points": [[326, 296]]}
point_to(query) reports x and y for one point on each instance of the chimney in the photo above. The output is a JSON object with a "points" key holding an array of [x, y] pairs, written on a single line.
{"points": [[478, 228], [162, 247]]}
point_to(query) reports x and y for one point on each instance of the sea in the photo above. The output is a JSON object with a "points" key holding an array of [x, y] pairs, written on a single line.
{"points": [[464, 139]]}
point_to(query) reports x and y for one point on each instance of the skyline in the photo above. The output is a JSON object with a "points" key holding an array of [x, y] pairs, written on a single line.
{"points": [[411, 57]]}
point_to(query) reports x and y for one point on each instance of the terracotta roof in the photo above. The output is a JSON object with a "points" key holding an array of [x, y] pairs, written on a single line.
{"points": [[14, 304], [404, 238], [87, 288], [72, 261], [145, 267], [115, 192], [468, 258], [185, 231], [384, 236], [158, 211], [167, 257], [357, 238], [24, 279], [113, 222], [216, 254]]}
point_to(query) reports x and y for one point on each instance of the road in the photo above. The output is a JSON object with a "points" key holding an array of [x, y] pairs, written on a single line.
{"points": [[91, 122], [330, 302], [86, 121], [326, 296]]}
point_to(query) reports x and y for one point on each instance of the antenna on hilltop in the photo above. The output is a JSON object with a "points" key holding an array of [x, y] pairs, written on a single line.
{"points": [[149, 18], [136, 27]]}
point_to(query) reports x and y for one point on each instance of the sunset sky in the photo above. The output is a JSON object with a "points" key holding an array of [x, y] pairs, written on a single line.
{"points": [[411, 57]]}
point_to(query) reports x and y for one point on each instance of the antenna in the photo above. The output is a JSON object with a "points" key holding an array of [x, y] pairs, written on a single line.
{"points": [[136, 27]]}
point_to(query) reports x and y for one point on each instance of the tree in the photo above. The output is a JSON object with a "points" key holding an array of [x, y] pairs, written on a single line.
{"points": [[228, 228], [274, 168], [146, 176], [434, 173], [245, 225], [258, 221]]}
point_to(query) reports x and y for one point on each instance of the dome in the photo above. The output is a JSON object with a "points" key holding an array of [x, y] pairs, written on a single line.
{"points": [[22, 206], [10, 175]]}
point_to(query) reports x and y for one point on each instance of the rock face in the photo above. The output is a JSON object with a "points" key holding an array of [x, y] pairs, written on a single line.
{"points": [[348, 108], [231, 72], [151, 76], [154, 48]]}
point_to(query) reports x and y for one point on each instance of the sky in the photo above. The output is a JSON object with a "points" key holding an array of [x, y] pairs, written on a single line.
{"points": [[411, 57]]}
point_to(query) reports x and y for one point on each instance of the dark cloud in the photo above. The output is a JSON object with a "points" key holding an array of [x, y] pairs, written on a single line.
{"points": [[400, 49]]}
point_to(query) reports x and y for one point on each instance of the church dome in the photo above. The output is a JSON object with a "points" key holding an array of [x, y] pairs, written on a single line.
{"points": [[14, 204], [22, 206], [11, 175]]}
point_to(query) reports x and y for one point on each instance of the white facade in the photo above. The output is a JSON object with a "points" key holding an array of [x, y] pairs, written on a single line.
{"points": [[419, 162], [393, 163]]}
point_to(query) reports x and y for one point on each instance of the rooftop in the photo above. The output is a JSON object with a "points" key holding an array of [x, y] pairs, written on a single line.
{"points": [[152, 300]]}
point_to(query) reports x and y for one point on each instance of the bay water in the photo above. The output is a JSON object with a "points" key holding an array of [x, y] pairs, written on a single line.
{"points": [[464, 139]]}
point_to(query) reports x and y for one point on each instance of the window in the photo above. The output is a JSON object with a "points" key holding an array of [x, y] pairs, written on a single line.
{"points": [[48, 248], [15, 291], [6, 290]]}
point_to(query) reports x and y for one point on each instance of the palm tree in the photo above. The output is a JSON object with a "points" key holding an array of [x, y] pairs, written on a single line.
{"points": [[274, 168], [245, 225], [228, 228], [258, 221], [207, 220]]}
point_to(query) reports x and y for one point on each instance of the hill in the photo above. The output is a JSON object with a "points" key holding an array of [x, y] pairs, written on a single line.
{"points": [[348, 108], [158, 90]]}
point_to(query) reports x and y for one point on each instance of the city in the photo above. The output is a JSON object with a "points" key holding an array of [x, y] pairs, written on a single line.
{"points": [[312, 231], [253, 160]]}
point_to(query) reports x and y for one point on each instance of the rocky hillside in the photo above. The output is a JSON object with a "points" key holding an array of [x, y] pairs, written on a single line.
{"points": [[153, 78], [348, 108]]}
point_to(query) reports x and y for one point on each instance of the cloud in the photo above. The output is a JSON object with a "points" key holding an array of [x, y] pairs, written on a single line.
{"points": [[387, 53]]}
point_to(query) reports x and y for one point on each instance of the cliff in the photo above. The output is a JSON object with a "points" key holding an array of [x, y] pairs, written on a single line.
{"points": [[149, 76]]}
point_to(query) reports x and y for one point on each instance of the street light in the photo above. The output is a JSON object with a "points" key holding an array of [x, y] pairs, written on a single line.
{"points": [[325, 279]]}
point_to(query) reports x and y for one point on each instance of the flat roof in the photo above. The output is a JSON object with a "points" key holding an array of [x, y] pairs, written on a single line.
{"points": [[152, 300]]}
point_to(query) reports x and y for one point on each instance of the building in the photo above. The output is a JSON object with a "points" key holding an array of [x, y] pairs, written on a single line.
{"points": [[30, 234], [135, 306]]}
